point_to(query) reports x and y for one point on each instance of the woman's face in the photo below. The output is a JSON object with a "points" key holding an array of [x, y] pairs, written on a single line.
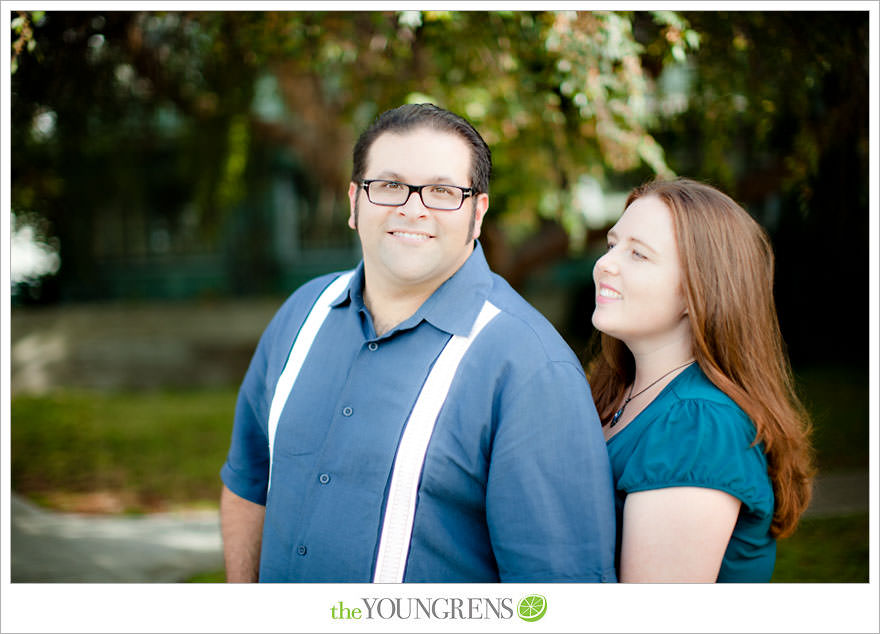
{"points": [[638, 281]]}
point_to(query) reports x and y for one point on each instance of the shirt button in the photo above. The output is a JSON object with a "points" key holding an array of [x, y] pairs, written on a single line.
{"points": [[324, 478], [373, 346], [347, 411], [302, 550]]}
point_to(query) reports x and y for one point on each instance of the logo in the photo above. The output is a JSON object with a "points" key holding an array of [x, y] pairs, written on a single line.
{"points": [[532, 608], [440, 608]]}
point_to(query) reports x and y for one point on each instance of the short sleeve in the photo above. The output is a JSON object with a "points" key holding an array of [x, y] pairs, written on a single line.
{"points": [[246, 471], [549, 499], [701, 443]]}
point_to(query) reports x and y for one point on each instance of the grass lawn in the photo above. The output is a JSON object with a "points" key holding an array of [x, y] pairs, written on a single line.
{"points": [[217, 576], [823, 550], [826, 550], [132, 452], [147, 451], [151, 449]]}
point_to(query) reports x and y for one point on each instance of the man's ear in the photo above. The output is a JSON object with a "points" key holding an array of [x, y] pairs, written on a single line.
{"points": [[353, 193], [481, 206]]}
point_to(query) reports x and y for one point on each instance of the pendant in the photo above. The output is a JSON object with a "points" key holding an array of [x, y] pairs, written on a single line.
{"points": [[616, 417]]}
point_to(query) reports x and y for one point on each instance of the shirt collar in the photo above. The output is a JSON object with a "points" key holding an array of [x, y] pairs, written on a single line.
{"points": [[453, 307], [354, 292]]}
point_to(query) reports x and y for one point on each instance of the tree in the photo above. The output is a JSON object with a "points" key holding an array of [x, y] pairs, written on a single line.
{"points": [[780, 122], [151, 113]]}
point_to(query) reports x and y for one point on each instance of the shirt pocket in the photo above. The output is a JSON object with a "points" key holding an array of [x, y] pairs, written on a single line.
{"points": [[299, 434]]}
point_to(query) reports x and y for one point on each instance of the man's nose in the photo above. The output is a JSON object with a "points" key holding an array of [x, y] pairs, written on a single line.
{"points": [[413, 205]]}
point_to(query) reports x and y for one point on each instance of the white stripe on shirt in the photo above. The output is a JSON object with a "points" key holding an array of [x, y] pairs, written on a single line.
{"points": [[400, 506], [298, 352]]}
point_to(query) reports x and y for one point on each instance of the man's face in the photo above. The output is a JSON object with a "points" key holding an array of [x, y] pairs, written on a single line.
{"points": [[413, 247]]}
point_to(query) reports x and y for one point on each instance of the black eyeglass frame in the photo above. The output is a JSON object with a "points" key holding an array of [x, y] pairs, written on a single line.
{"points": [[466, 192]]}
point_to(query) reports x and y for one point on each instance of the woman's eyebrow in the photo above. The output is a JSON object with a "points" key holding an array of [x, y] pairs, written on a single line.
{"points": [[644, 244], [613, 234]]}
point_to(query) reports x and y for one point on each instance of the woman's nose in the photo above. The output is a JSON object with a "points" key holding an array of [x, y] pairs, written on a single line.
{"points": [[606, 263]]}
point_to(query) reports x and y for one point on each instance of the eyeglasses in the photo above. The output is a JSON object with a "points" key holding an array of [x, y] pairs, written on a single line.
{"points": [[434, 196]]}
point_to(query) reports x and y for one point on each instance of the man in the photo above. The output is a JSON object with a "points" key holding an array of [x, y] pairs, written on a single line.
{"points": [[416, 419]]}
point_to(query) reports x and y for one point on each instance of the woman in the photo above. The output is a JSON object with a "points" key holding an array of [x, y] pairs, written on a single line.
{"points": [[708, 441]]}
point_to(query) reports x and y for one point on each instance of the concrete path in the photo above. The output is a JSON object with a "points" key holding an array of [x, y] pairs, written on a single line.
{"points": [[121, 346], [841, 493], [70, 547], [172, 547]]}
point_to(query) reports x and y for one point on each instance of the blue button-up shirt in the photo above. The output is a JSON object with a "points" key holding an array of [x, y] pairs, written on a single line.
{"points": [[516, 483]]}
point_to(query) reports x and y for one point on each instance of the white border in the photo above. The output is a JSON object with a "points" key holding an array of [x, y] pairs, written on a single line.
{"points": [[874, 298], [572, 607], [429, 5], [5, 299]]}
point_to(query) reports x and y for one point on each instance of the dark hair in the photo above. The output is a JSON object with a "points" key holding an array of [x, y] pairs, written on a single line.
{"points": [[410, 116]]}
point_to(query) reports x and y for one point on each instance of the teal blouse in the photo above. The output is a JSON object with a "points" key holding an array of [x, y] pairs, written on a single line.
{"points": [[693, 434]]}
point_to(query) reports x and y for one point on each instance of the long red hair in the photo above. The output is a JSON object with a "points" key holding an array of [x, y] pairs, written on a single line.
{"points": [[727, 277]]}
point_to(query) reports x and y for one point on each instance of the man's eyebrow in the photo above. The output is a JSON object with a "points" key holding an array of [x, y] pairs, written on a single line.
{"points": [[436, 180], [388, 175]]}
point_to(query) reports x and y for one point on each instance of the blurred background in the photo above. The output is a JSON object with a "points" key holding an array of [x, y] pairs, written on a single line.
{"points": [[175, 175]]}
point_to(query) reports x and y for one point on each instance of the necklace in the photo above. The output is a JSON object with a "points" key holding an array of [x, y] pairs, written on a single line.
{"points": [[631, 396]]}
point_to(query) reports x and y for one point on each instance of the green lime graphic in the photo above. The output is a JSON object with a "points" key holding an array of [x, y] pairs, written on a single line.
{"points": [[532, 607]]}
